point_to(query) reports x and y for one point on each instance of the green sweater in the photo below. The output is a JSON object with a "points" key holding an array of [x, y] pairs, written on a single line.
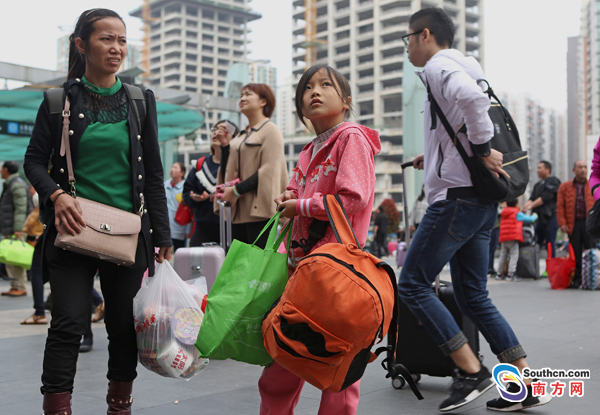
{"points": [[103, 166]]}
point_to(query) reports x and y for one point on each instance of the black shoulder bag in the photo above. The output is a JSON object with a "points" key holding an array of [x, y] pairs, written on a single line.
{"points": [[505, 140]]}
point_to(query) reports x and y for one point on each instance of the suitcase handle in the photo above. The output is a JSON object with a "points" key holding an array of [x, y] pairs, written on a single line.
{"points": [[225, 224]]}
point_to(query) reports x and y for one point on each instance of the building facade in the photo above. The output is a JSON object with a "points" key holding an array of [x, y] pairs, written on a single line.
{"points": [[362, 39], [194, 42]]}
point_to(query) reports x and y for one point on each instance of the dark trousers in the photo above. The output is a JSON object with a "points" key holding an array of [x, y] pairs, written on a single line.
{"points": [[581, 241], [494, 235], [37, 281], [206, 232], [248, 232], [177, 243], [546, 232], [71, 278]]}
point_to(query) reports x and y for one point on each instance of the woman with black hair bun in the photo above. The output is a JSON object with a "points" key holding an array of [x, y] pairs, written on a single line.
{"points": [[116, 161]]}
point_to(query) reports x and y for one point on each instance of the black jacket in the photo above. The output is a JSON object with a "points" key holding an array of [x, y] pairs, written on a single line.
{"points": [[43, 153], [548, 191]]}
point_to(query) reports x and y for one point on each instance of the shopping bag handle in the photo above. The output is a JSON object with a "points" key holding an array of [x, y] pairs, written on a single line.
{"points": [[287, 230], [272, 244]]}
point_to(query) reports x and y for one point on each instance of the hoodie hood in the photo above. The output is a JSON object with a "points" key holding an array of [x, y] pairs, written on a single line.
{"points": [[371, 136]]}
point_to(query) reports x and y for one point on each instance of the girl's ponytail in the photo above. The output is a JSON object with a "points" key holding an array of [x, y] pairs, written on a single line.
{"points": [[83, 29]]}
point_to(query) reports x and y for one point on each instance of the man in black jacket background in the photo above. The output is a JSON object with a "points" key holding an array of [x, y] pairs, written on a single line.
{"points": [[543, 202]]}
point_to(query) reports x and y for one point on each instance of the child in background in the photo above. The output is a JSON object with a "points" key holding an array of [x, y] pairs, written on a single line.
{"points": [[511, 233], [338, 161]]}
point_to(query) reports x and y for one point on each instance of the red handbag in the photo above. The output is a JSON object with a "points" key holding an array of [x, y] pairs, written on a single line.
{"points": [[184, 214], [560, 270]]}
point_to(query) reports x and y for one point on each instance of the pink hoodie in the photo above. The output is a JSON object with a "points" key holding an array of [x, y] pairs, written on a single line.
{"points": [[595, 176], [344, 165]]}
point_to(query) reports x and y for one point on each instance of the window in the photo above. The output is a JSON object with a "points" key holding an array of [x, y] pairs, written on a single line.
{"points": [[221, 84], [174, 21], [223, 29], [207, 92], [173, 43], [207, 59], [209, 38], [191, 79], [191, 11], [191, 56], [207, 48], [223, 62], [173, 55], [208, 14], [155, 48], [191, 35], [207, 26], [208, 82], [175, 8], [224, 17], [155, 71], [222, 72], [223, 40], [191, 89], [155, 38], [155, 60], [172, 66], [191, 68], [191, 23], [173, 32], [207, 71], [191, 45], [171, 78], [223, 51]]}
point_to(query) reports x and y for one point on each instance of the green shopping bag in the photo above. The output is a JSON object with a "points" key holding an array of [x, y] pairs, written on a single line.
{"points": [[16, 252], [249, 282]]}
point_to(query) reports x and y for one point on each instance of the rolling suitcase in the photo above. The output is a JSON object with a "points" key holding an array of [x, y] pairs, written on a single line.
{"points": [[206, 261], [415, 350]]}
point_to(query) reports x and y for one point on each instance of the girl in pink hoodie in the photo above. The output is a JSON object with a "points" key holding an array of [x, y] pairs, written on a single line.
{"points": [[340, 160]]}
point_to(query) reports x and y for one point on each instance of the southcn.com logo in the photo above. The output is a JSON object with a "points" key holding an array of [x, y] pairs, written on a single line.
{"points": [[505, 374]]}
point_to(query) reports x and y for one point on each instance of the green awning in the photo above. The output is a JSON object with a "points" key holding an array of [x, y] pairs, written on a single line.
{"points": [[21, 107]]}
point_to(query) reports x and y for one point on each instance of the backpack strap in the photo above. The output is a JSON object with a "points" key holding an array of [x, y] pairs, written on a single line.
{"points": [[137, 96], [56, 99], [199, 163], [338, 219]]}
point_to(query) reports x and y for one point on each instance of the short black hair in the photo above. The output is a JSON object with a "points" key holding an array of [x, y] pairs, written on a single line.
{"points": [[438, 23], [547, 165], [11, 166], [512, 203], [342, 87]]}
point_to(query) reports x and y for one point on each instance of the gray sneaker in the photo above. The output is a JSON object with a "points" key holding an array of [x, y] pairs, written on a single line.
{"points": [[466, 387]]}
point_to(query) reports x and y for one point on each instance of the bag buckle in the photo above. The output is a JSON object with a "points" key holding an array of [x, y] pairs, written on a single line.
{"points": [[105, 227]]}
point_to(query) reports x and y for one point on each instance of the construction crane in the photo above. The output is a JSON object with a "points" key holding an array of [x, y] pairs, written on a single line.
{"points": [[311, 43], [147, 19]]}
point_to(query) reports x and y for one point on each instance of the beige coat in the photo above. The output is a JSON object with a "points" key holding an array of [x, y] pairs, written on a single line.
{"points": [[260, 150]]}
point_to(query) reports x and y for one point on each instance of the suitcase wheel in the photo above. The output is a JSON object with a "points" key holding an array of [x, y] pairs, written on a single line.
{"points": [[398, 382], [417, 377]]}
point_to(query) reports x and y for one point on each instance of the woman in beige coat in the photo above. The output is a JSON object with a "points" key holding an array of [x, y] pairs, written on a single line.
{"points": [[256, 157]]}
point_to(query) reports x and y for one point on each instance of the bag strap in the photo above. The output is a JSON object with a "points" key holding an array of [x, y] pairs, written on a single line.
{"points": [[453, 135], [199, 163], [338, 219], [65, 145], [139, 104]]}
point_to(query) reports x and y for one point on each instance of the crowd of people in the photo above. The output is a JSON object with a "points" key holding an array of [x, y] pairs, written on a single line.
{"points": [[113, 144]]}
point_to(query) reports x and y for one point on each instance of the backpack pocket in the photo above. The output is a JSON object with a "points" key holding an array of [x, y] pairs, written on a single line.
{"points": [[305, 347]]}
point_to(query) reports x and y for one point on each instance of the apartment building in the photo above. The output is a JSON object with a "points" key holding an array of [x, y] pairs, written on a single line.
{"points": [[362, 39], [193, 43]]}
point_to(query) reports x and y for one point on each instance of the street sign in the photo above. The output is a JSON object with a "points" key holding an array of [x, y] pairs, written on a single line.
{"points": [[16, 128]]}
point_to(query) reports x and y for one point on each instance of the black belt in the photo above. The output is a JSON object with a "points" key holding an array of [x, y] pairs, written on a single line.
{"points": [[461, 193]]}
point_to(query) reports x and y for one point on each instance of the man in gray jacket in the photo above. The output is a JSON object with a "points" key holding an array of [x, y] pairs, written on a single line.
{"points": [[13, 212], [456, 227]]}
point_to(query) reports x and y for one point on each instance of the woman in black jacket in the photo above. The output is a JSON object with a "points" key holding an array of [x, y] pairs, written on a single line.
{"points": [[116, 161]]}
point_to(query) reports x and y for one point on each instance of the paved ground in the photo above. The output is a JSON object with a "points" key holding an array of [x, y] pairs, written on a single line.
{"points": [[559, 329]]}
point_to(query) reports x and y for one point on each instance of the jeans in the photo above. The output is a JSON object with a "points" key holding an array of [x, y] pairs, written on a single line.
{"points": [[546, 232], [493, 245], [457, 231], [71, 278]]}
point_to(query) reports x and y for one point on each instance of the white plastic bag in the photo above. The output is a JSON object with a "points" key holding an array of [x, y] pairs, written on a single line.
{"points": [[167, 314]]}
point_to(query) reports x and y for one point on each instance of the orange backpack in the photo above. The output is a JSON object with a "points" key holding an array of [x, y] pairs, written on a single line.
{"points": [[339, 302]]}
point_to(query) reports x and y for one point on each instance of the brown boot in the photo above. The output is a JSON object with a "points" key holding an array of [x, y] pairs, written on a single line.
{"points": [[57, 403], [119, 398]]}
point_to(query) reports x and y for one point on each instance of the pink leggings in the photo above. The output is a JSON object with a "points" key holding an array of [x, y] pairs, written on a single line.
{"points": [[280, 390]]}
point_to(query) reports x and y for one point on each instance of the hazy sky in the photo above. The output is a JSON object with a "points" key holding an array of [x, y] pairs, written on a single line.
{"points": [[525, 40]]}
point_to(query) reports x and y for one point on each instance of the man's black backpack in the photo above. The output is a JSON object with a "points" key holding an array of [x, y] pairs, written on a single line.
{"points": [[505, 140]]}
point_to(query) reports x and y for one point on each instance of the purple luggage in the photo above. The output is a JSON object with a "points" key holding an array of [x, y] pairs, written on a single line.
{"points": [[206, 261], [401, 254]]}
